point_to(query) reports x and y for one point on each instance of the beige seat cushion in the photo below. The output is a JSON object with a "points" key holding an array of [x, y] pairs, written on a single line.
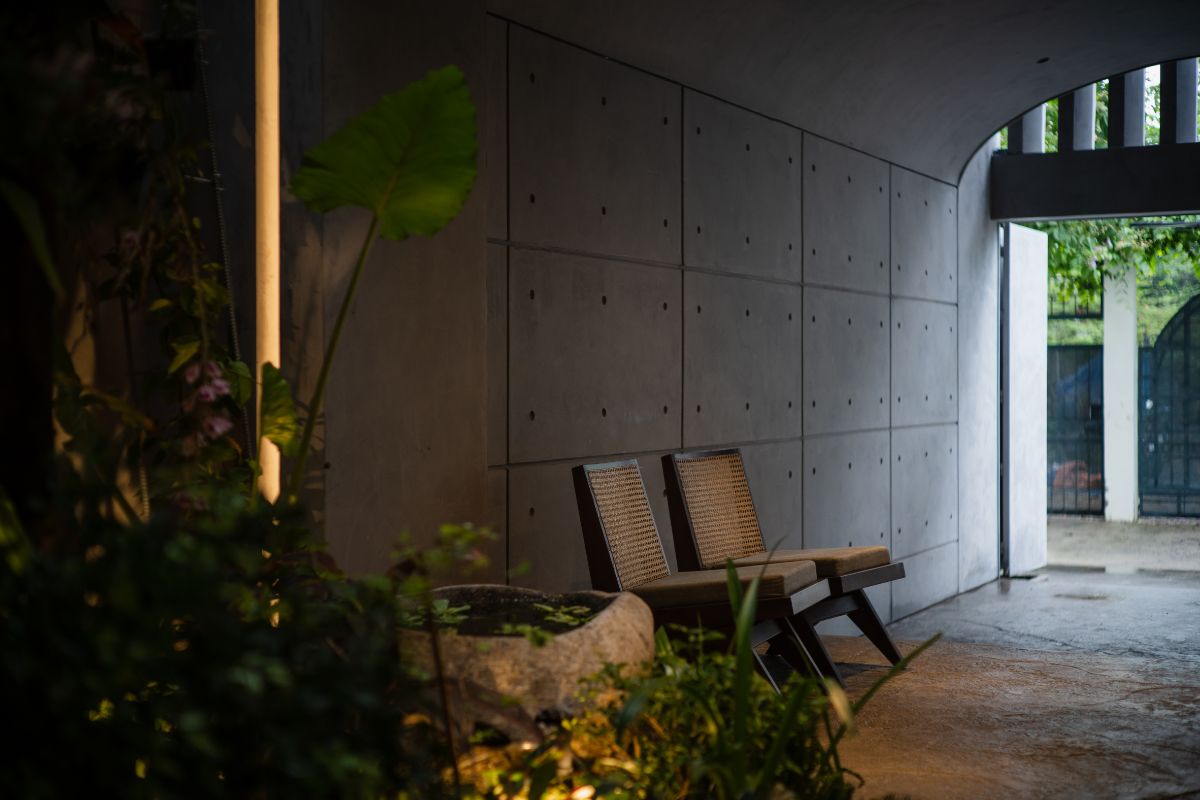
{"points": [[830, 561], [709, 586]]}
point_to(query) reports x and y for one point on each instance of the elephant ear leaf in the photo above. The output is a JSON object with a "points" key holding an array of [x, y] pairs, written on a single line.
{"points": [[410, 160], [277, 420]]}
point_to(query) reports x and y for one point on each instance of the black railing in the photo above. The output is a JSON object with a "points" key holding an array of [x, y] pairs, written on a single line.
{"points": [[1169, 418], [1075, 429]]}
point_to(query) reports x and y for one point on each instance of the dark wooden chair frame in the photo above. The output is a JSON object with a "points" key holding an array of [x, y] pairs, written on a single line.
{"points": [[846, 592], [774, 615]]}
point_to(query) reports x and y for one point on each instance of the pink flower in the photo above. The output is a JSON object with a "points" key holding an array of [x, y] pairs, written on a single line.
{"points": [[216, 426], [209, 392], [192, 372], [213, 369]]}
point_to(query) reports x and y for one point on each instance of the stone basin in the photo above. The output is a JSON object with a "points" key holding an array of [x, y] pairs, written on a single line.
{"points": [[542, 678]]}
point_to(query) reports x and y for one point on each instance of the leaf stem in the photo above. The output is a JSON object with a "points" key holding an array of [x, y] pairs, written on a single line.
{"points": [[314, 405]]}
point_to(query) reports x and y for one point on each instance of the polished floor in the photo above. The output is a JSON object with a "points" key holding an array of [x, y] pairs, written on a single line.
{"points": [[1082, 681]]}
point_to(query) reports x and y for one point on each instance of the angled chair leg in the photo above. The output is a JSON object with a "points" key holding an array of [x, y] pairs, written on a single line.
{"points": [[790, 647], [807, 635], [766, 673], [868, 622]]}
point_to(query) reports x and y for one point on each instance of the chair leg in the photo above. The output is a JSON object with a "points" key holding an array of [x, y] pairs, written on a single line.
{"points": [[766, 673], [788, 645], [807, 635], [868, 622]]}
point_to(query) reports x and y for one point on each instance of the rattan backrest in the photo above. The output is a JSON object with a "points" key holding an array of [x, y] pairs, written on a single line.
{"points": [[621, 538], [716, 512]]}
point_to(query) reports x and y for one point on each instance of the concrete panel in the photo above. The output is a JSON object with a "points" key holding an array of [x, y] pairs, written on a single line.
{"points": [[846, 494], [545, 540], [930, 577], [497, 520], [494, 127], [924, 254], [594, 356], [978, 379], [594, 152], [776, 476], [742, 377], [846, 504], [924, 488], [924, 362], [845, 217], [742, 190], [846, 354], [497, 354]]}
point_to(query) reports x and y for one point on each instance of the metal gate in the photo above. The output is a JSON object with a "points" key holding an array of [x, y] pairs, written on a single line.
{"points": [[1169, 424], [1075, 429]]}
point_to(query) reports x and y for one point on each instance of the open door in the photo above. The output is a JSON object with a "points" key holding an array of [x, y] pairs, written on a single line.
{"points": [[1023, 392]]}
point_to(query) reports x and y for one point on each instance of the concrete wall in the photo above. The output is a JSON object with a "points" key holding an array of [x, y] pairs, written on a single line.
{"points": [[978, 377], [672, 272], [642, 268]]}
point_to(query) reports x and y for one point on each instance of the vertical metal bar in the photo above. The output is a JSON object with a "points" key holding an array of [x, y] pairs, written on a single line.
{"points": [[1178, 97], [1005, 246]]}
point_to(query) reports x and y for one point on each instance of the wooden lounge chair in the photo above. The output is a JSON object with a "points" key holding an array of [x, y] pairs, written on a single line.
{"points": [[713, 520], [625, 554]]}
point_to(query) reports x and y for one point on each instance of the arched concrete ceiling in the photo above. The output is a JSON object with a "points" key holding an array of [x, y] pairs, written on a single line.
{"points": [[922, 84]]}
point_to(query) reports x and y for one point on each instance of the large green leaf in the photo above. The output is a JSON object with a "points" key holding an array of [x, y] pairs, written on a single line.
{"points": [[410, 159], [278, 413]]}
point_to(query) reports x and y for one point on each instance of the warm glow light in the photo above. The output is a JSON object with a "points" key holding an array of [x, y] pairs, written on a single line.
{"points": [[266, 217]]}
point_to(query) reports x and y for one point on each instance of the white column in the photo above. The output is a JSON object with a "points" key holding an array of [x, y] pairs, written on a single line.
{"points": [[1120, 398], [266, 221]]}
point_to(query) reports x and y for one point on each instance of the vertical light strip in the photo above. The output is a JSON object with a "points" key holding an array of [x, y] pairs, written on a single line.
{"points": [[266, 218]]}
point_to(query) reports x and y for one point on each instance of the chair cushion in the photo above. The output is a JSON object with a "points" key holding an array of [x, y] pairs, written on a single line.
{"points": [[709, 586], [830, 561]]}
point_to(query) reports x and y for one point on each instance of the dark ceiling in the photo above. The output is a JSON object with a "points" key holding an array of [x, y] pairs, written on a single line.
{"points": [[922, 84]]}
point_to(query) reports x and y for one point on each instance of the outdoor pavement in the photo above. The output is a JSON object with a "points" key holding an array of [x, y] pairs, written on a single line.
{"points": [[1080, 682]]}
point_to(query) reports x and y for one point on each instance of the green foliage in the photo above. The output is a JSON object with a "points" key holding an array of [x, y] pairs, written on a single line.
{"points": [[698, 722], [409, 160], [216, 655], [570, 616], [1083, 252], [277, 420]]}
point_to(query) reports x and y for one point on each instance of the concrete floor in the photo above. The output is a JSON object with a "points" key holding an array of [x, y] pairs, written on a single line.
{"points": [[1082, 682], [1124, 546]]}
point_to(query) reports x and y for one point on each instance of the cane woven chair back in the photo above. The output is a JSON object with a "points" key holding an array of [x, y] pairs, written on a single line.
{"points": [[718, 507], [616, 518]]}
